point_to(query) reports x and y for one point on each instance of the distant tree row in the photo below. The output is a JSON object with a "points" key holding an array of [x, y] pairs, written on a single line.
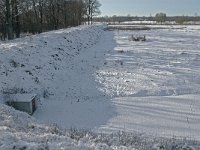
{"points": [[162, 17], [159, 18], [36, 16]]}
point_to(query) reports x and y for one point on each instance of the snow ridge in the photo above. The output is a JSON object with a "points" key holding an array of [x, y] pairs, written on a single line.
{"points": [[37, 64]]}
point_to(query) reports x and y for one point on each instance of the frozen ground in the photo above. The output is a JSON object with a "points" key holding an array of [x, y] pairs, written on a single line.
{"points": [[149, 87], [99, 80], [154, 84]]}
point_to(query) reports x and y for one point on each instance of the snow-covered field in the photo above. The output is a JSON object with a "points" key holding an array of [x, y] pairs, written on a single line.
{"points": [[155, 84], [102, 81]]}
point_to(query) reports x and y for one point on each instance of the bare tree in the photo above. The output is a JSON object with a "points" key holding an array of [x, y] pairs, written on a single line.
{"points": [[92, 9], [95, 11], [16, 18], [161, 17], [9, 19], [37, 16], [2, 20]]}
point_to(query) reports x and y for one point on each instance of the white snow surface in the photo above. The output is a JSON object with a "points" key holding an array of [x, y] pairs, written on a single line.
{"points": [[99, 80], [155, 84], [19, 131]]}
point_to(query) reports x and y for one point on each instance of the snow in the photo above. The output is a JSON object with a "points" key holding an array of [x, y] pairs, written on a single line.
{"points": [[21, 97], [88, 78], [165, 116], [19, 131], [154, 85], [84, 106], [118, 72]]}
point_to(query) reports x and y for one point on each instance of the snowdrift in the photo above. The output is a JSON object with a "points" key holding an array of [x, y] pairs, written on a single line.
{"points": [[38, 64]]}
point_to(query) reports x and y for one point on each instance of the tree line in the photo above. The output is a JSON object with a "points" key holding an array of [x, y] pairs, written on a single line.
{"points": [[159, 18], [36, 16]]}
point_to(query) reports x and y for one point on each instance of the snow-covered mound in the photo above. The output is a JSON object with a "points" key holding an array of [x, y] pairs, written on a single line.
{"points": [[39, 64]]}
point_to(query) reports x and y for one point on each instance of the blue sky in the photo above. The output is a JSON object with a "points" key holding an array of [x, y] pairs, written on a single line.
{"points": [[147, 7]]}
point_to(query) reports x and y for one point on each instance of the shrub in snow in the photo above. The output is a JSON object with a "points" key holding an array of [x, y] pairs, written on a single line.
{"points": [[14, 64], [121, 51], [138, 38], [102, 146], [36, 79], [45, 93], [78, 134]]}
